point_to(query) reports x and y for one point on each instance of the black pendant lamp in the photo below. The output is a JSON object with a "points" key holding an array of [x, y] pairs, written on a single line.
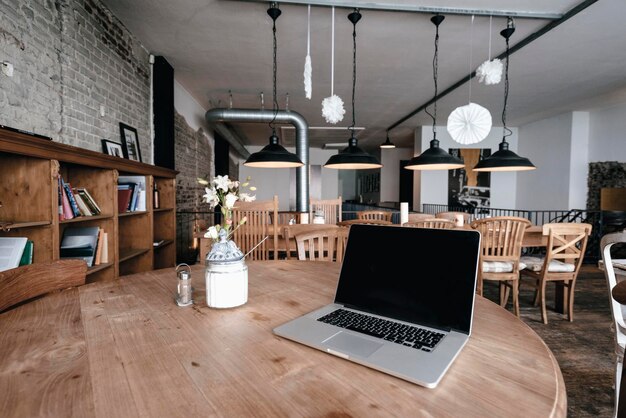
{"points": [[273, 155], [505, 159], [353, 157], [387, 144], [435, 158]]}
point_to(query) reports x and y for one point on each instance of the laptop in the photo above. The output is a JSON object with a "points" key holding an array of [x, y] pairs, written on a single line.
{"points": [[404, 302]]}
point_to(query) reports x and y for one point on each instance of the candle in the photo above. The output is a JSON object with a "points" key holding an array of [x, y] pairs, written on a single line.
{"points": [[404, 212]]}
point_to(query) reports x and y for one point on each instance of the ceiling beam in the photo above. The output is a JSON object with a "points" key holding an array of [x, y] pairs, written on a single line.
{"points": [[413, 8], [527, 40]]}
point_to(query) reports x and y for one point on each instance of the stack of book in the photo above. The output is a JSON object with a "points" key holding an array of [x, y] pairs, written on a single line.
{"points": [[131, 194], [74, 202], [89, 243], [15, 252]]}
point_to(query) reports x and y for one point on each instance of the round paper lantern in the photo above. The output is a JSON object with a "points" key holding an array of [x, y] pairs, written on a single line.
{"points": [[469, 124]]}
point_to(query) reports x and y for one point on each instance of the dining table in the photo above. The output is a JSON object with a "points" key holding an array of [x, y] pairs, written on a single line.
{"points": [[124, 348]]}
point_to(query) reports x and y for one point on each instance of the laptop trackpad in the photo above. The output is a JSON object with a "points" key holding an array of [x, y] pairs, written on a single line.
{"points": [[351, 344]]}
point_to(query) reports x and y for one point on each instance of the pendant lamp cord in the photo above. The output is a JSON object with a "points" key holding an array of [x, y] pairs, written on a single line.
{"points": [[275, 101], [353, 74], [435, 68], [489, 54], [332, 54], [506, 131], [469, 77]]}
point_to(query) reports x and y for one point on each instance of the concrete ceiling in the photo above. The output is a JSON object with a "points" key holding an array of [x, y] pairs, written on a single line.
{"points": [[221, 45]]}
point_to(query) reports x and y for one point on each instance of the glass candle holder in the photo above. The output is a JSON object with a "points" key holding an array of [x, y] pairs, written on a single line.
{"points": [[183, 290]]}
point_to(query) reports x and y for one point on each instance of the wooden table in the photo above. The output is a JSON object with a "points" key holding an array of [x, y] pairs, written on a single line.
{"points": [[124, 348]]}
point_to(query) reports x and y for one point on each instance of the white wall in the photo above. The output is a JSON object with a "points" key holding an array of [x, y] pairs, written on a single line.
{"points": [[579, 161], [277, 181], [187, 106], [390, 173], [434, 183], [607, 134]]}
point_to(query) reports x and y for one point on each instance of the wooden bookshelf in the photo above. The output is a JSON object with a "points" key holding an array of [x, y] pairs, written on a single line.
{"points": [[30, 168]]}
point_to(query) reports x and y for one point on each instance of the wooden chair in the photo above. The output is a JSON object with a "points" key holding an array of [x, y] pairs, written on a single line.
{"points": [[564, 256], [416, 217], [317, 244], [501, 247], [342, 240], [432, 223], [290, 231], [364, 221], [611, 273], [374, 215], [331, 208], [259, 214], [452, 216], [27, 282]]}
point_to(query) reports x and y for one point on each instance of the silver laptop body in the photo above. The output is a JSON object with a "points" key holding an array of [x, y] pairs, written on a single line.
{"points": [[398, 279]]}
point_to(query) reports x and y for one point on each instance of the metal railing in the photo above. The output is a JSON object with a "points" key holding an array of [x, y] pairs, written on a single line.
{"points": [[540, 217]]}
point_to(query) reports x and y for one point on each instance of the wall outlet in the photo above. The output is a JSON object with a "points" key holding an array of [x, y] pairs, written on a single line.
{"points": [[7, 69]]}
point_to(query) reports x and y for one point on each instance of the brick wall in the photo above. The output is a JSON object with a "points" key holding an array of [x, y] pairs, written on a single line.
{"points": [[194, 158], [71, 57], [603, 174]]}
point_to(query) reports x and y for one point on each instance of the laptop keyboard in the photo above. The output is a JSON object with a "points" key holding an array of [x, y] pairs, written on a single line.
{"points": [[410, 336]]}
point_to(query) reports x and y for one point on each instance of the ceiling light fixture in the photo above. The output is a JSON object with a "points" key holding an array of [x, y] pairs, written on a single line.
{"points": [[434, 158], [353, 157], [387, 144], [273, 155], [505, 159]]}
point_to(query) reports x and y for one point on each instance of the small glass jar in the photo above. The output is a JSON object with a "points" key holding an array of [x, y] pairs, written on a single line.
{"points": [[184, 290]]}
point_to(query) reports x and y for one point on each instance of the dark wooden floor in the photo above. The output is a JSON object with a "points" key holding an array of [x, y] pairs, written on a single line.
{"points": [[584, 348]]}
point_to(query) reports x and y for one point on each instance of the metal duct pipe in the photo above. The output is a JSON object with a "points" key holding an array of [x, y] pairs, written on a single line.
{"points": [[281, 116]]}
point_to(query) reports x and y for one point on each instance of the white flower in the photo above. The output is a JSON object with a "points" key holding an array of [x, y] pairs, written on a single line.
{"points": [[490, 72], [246, 197], [332, 109], [229, 200], [221, 182], [235, 184], [210, 197], [211, 233]]}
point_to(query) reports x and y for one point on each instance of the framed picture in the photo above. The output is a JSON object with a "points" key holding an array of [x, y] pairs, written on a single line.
{"points": [[112, 148], [130, 142]]}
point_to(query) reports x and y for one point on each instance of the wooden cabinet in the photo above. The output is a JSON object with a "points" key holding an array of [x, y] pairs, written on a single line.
{"points": [[137, 241]]}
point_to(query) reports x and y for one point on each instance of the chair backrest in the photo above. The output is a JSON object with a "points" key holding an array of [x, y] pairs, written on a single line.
{"points": [[566, 243], [452, 216], [364, 221], [606, 242], [331, 208], [501, 238], [380, 215], [317, 244], [432, 223], [26, 282], [290, 231], [342, 240], [415, 217], [259, 214]]}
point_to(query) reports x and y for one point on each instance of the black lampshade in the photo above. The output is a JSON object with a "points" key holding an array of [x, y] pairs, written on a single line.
{"points": [[434, 158], [273, 155], [352, 158], [387, 143], [504, 160]]}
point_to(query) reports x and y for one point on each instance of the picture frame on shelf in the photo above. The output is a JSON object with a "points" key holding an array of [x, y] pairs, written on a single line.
{"points": [[130, 142], [112, 148]]}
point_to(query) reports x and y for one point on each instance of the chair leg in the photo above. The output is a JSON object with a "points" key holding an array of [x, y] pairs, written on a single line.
{"points": [[570, 300], [479, 286], [536, 300], [515, 287], [618, 378], [542, 292], [504, 294]]}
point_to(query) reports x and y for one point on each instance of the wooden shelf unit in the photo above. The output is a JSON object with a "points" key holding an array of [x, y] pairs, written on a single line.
{"points": [[30, 167]]}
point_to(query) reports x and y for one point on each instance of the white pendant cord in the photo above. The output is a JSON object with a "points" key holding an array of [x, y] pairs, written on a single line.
{"points": [[489, 55], [308, 31], [332, 55], [308, 70], [470, 60]]}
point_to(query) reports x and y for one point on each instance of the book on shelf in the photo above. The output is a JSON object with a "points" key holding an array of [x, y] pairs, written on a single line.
{"points": [[27, 255], [89, 200], [11, 250], [124, 195], [138, 185], [80, 242], [60, 199], [82, 206], [98, 255], [68, 213], [104, 254], [68, 190]]}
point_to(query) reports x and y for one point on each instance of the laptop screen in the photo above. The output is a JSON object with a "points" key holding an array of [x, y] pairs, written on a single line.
{"points": [[419, 275]]}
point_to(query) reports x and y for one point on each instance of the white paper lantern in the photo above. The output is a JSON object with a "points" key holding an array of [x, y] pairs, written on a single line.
{"points": [[469, 124]]}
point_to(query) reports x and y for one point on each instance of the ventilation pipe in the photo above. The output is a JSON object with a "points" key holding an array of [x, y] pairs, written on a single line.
{"points": [[281, 116]]}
